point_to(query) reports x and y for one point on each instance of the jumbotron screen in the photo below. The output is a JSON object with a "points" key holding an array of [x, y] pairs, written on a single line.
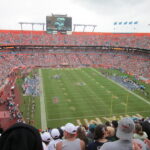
{"points": [[58, 23]]}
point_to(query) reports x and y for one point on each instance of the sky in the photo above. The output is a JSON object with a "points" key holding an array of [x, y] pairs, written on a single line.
{"points": [[102, 13]]}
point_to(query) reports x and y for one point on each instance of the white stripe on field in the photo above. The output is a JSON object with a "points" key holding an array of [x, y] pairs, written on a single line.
{"points": [[42, 103]]}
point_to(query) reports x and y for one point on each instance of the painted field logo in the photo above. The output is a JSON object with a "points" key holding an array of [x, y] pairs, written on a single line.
{"points": [[55, 100], [80, 83]]}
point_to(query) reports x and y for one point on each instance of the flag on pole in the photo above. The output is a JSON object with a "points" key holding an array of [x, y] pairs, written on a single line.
{"points": [[115, 23], [125, 23], [120, 23], [135, 22]]}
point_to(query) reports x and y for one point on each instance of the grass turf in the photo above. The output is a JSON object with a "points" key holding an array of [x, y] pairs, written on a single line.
{"points": [[85, 94]]}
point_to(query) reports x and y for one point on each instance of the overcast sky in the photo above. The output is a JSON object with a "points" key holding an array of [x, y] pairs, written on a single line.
{"points": [[99, 12]]}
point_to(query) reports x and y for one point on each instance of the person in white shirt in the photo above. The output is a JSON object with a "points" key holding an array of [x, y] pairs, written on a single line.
{"points": [[139, 133], [70, 142], [46, 138], [56, 138]]}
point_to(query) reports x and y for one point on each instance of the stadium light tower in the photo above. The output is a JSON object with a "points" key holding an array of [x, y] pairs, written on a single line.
{"points": [[84, 26], [32, 24]]}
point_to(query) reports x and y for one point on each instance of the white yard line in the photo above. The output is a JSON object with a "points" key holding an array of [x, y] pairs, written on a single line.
{"points": [[42, 103], [141, 98]]}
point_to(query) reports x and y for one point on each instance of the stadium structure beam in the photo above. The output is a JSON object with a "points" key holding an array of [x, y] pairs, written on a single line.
{"points": [[32, 24], [84, 26]]}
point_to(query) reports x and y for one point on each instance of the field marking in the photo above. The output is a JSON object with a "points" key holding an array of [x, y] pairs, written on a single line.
{"points": [[42, 103], [96, 111], [65, 94], [141, 98], [108, 91], [68, 100], [68, 118], [72, 108], [124, 104]]}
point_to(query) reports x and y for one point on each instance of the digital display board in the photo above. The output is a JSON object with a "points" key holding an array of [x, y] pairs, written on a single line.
{"points": [[58, 23]]}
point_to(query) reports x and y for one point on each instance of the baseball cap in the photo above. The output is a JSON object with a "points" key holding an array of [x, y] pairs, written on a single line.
{"points": [[70, 128], [55, 133], [92, 127], [125, 129], [46, 137]]}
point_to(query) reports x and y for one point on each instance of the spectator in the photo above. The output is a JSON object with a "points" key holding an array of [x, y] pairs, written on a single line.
{"points": [[21, 137], [81, 134], [100, 134], [90, 133], [146, 127], [111, 134], [125, 131], [46, 138], [70, 142], [61, 131], [139, 133], [1, 130], [56, 138], [147, 142]]}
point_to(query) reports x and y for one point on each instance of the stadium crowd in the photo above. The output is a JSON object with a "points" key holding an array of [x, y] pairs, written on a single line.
{"points": [[125, 134], [76, 39], [11, 106], [137, 65]]}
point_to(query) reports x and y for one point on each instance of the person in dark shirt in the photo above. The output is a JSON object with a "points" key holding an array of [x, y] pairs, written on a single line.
{"points": [[1, 130], [99, 137], [21, 136]]}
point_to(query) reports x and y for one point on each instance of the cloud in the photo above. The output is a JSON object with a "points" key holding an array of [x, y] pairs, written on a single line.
{"points": [[115, 7], [100, 12]]}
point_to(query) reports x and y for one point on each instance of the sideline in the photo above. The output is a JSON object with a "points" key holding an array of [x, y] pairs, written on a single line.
{"points": [[42, 103], [141, 98]]}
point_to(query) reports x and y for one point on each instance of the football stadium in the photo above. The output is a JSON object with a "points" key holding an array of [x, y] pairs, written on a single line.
{"points": [[53, 77]]}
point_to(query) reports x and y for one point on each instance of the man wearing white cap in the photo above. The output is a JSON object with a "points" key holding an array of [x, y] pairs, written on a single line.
{"points": [[46, 138], [70, 142], [125, 131], [56, 138]]}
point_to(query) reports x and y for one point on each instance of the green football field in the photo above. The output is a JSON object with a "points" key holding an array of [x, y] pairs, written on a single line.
{"points": [[84, 95]]}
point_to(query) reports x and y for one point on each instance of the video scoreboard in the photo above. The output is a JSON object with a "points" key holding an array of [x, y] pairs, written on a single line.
{"points": [[59, 23]]}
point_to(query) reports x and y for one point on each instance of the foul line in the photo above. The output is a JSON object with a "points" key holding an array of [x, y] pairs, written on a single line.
{"points": [[42, 103], [141, 98]]}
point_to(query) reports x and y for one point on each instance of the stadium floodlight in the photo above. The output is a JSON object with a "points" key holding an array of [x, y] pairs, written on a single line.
{"points": [[32, 24], [84, 26]]}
